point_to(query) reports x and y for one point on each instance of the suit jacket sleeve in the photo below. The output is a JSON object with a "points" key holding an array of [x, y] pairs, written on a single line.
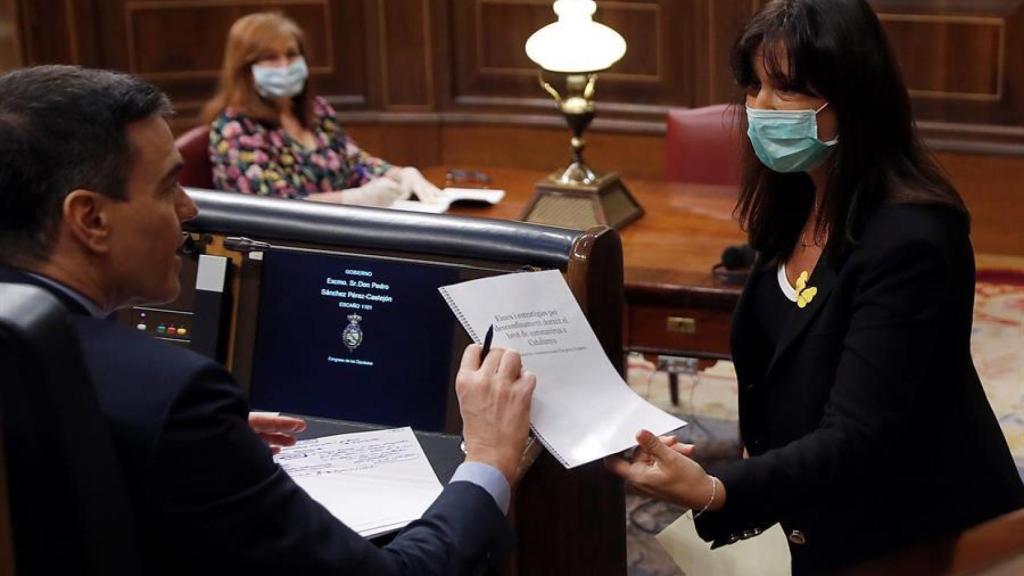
{"points": [[901, 295], [226, 505]]}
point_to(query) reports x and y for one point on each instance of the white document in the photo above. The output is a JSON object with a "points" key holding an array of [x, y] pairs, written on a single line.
{"points": [[582, 409], [374, 482], [450, 195], [765, 555]]}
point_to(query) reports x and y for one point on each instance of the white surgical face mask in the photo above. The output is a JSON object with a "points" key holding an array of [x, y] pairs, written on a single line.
{"points": [[280, 81]]}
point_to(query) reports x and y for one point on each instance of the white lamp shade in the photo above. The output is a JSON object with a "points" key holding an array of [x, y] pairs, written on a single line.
{"points": [[575, 44]]}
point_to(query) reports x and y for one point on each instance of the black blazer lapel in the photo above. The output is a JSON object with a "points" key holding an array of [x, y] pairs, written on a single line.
{"points": [[824, 279]]}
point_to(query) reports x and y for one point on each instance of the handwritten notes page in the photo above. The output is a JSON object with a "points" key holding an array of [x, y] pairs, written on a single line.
{"points": [[374, 482], [582, 409]]}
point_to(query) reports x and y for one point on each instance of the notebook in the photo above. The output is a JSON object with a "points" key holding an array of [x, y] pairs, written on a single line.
{"points": [[450, 196]]}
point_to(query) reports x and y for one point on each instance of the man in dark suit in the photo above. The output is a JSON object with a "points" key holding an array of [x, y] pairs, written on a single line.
{"points": [[91, 210]]}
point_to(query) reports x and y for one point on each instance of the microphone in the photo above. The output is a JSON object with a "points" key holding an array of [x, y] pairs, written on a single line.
{"points": [[738, 257], [192, 245], [735, 265]]}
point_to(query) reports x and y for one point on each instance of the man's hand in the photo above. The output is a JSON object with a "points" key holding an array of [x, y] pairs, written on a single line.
{"points": [[494, 398], [277, 431], [662, 468]]}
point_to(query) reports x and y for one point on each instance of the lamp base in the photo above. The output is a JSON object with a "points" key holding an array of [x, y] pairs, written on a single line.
{"points": [[582, 206]]}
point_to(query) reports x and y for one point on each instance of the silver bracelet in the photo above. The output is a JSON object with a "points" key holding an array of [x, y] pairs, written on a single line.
{"points": [[714, 492]]}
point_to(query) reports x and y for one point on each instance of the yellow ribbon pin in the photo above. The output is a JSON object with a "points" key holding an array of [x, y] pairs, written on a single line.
{"points": [[804, 293]]}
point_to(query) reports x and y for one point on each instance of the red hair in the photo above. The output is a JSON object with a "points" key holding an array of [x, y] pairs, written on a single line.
{"points": [[253, 38]]}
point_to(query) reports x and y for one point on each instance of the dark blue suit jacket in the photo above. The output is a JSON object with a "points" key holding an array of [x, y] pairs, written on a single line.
{"points": [[209, 498], [867, 425]]}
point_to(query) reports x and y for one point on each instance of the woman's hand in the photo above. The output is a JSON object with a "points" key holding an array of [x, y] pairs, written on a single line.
{"points": [[662, 468], [277, 431], [378, 193], [412, 181]]}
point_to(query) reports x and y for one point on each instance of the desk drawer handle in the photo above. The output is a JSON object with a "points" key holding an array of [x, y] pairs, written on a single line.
{"points": [[681, 324]]}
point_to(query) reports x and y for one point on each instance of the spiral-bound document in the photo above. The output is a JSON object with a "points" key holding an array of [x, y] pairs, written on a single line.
{"points": [[582, 409]]}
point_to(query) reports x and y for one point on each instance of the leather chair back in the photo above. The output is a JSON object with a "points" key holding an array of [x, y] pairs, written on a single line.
{"points": [[381, 229], [194, 148], [69, 508], [704, 145]]}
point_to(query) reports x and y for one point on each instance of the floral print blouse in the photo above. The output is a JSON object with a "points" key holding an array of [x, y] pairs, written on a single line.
{"points": [[253, 158]]}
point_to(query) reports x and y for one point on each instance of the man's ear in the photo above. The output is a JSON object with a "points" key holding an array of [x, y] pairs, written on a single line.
{"points": [[87, 219]]}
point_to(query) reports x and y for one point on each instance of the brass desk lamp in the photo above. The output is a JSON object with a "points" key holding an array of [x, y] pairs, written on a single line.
{"points": [[576, 48]]}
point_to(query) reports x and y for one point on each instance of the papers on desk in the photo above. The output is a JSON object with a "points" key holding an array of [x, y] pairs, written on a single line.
{"points": [[450, 196], [582, 409], [375, 482]]}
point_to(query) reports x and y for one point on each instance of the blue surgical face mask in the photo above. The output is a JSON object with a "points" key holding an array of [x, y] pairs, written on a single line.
{"points": [[280, 81], [787, 140]]}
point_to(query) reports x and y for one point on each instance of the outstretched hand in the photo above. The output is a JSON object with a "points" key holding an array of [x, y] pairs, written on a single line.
{"points": [[662, 468], [277, 431]]}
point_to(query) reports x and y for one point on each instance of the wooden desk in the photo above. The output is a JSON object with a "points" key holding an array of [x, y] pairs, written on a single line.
{"points": [[668, 255]]}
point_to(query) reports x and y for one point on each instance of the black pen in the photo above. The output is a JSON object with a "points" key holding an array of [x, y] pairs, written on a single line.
{"points": [[487, 343], [483, 354]]}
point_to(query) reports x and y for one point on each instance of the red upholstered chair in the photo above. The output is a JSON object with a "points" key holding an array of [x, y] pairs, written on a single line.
{"points": [[194, 148], [703, 145]]}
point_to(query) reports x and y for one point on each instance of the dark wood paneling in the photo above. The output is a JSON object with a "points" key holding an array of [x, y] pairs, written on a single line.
{"points": [[403, 145], [146, 38], [641, 26], [490, 68], [956, 58], [499, 26], [351, 82], [10, 36], [485, 34], [964, 64], [724, 20], [158, 51], [406, 55], [464, 59], [57, 31]]}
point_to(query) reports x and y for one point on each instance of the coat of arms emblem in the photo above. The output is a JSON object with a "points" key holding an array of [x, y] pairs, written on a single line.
{"points": [[352, 336]]}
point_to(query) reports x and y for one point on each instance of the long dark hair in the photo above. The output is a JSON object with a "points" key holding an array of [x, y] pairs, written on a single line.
{"points": [[835, 49]]}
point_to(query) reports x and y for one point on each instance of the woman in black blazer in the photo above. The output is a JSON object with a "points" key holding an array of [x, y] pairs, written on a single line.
{"points": [[865, 423]]}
